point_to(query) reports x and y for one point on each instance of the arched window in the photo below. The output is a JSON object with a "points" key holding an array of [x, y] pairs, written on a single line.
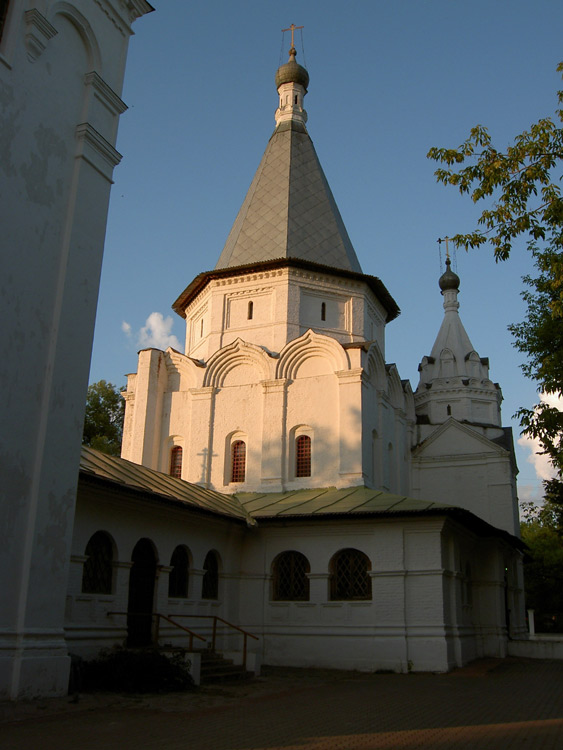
{"points": [[97, 574], [250, 310], [303, 456], [323, 311], [176, 462], [289, 577], [238, 461], [349, 575], [210, 584], [179, 575]]}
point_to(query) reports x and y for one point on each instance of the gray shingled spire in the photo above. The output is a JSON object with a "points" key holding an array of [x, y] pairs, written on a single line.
{"points": [[289, 210]]}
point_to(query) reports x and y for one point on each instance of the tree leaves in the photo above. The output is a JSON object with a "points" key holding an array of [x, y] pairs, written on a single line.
{"points": [[521, 185], [103, 422]]}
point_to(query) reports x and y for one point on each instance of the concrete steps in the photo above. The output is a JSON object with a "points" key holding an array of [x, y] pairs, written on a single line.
{"points": [[215, 668]]}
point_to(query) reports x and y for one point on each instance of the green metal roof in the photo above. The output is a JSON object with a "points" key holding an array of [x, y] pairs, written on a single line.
{"points": [[316, 502], [120, 475], [159, 486]]}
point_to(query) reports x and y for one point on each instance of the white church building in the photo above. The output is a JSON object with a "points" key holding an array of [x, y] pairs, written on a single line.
{"points": [[281, 477]]}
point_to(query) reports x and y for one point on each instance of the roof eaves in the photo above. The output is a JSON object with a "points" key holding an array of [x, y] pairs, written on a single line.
{"points": [[202, 279], [152, 496]]}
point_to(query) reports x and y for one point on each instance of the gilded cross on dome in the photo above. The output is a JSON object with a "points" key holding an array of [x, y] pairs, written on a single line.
{"points": [[293, 28]]}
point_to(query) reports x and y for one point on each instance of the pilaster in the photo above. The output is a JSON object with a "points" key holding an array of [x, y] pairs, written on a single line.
{"points": [[274, 438]]}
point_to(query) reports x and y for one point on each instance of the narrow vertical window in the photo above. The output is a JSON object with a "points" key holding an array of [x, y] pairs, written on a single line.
{"points": [[238, 461], [449, 410], [250, 310], [201, 328], [295, 98], [303, 456], [176, 462], [323, 311]]}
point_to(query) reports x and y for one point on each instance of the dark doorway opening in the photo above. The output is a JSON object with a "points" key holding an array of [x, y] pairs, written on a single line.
{"points": [[142, 580]]}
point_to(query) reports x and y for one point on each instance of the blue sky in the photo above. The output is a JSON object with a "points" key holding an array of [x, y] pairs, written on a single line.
{"points": [[388, 81]]}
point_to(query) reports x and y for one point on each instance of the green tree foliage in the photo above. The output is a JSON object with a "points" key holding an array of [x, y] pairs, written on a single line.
{"points": [[103, 422], [520, 186], [542, 530]]}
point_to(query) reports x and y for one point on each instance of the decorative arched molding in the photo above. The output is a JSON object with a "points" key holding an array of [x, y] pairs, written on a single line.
{"points": [[447, 364], [183, 372], [309, 345], [375, 367], [473, 364], [395, 388], [232, 356], [82, 25]]}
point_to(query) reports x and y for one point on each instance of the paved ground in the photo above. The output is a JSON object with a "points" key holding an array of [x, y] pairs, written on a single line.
{"points": [[491, 704]]}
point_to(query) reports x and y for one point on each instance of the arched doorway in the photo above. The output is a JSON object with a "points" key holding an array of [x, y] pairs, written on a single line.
{"points": [[141, 594]]}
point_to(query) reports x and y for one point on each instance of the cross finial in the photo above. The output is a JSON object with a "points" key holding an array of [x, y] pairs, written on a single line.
{"points": [[446, 240], [293, 28]]}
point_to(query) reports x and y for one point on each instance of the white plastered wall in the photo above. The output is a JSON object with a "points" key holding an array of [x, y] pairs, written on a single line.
{"points": [[61, 74]]}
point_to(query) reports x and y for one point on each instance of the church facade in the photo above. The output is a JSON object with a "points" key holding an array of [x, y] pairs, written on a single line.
{"points": [[281, 476]]}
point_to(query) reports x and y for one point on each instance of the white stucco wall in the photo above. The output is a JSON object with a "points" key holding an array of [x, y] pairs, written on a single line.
{"points": [[61, 73], [286, 302], [437, 600], [339, 396]]}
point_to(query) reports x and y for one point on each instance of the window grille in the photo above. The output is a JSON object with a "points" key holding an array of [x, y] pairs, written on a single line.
{"points": [[176, 462], [303, 456], [210, 584], [97, 573], [350, 575], [178, 576], [238, 461], [289, 577]]}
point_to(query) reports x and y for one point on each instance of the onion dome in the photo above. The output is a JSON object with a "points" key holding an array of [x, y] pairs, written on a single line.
{"points": [[292, 72], [449, 279]]}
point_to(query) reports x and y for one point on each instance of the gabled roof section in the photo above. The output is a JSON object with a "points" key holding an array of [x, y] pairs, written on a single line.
{"points": [[289, 210], [128, 476], [440, 435]]}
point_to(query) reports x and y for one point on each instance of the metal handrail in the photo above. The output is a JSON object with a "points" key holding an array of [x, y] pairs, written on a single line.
{"points": [[215, 618], [159, 616]]}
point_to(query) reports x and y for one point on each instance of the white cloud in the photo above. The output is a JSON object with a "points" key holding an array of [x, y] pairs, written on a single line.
{"points": [[156, 333], [541, 462]]}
